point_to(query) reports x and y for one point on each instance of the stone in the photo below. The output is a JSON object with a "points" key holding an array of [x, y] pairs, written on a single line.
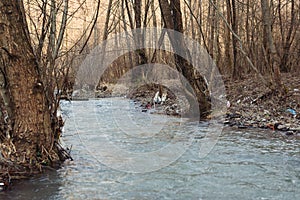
{"points": [[266, 112], [227, 122], [242, 126], [281, 127], [297, 129], [289, 133]]}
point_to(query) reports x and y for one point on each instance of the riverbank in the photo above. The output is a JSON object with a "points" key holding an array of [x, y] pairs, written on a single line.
{"points": [[171, 106], [250, 104], [254, 105]]}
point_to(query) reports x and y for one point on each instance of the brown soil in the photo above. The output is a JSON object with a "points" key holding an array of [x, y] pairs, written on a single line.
{"points": [[252, 105], [143, 95]]}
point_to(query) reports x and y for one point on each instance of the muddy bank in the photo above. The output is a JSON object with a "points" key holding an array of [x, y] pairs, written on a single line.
{"points": [[250, 104], [143, 96]]}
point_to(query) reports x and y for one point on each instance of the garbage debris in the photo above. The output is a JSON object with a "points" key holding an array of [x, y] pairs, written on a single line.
{"points": [[159, 99], [228, 104], [156, 99], [164, 97], [292, 111]]}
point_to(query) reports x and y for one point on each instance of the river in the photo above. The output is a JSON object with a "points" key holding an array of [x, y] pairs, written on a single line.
{"points": [[122, 153]]}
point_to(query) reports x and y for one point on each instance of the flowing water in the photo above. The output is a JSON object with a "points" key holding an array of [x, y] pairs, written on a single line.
{"points": [[122, 153]]}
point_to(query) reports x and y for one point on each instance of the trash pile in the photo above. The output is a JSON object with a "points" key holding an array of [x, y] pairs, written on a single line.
{"points": [[156, 99], [250, 104]]}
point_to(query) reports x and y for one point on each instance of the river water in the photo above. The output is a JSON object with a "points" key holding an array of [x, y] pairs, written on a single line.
{"points": [[122, 153]]}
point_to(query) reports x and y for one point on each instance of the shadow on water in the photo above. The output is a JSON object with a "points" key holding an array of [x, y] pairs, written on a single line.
{"points": [[244, 164], [44, 186]]}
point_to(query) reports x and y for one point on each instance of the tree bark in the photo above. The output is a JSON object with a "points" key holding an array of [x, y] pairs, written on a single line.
{"points": [[171, 14], [31, 142], [288, 40], [269, 47], [228, 52], [235, 71], [139, 34]]}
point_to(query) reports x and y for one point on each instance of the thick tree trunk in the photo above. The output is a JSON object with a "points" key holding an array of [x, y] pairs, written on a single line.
{"points": [[31, 141], [269, 47], [171, 14], [139, 34]]}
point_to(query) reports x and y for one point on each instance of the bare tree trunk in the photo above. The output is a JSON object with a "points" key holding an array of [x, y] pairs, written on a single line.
{"points": [[191, 19], [235, 71], [139, 35], [269, 47], [130, 57], [228, 52], [171, 14], [212, 30], [105, 31], [288, 40], [155, 56], [32, 139]]}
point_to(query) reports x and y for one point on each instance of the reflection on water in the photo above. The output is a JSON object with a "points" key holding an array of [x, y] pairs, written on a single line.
{"points": [[245, 164]]}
